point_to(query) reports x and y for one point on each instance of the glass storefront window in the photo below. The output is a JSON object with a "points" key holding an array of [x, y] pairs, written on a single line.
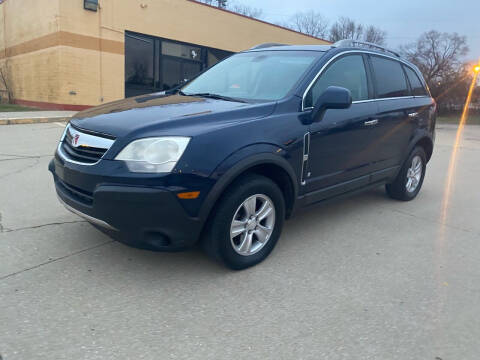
{"points": [[215, 55], [171, 73], [154, 64], [139, 62], [182, 51]]}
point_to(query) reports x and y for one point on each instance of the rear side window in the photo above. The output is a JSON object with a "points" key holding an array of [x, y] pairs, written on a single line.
{"points": [[417, 87], [389, 78], [348, 72]]}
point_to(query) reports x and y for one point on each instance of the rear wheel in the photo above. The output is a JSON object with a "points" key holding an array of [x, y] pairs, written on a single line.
{"points": [[409, 180], [246, 223]]}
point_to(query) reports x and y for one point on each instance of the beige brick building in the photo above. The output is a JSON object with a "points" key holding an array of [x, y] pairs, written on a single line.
{"points": [[56, 54]]}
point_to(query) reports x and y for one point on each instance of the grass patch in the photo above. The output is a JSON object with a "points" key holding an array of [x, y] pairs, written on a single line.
{"points": [[473, 119], [15, 108]]}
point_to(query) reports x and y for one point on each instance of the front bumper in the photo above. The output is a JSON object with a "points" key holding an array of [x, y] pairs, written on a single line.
{"points": [[89, 218], [141, 216]]}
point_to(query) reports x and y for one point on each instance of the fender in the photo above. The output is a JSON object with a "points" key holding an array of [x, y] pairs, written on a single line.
{"points": [[420, 135], [238, 163]]}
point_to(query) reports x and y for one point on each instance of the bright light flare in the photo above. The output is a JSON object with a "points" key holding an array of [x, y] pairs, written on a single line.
{"points": [[476, 69], [441, 240], [453, 158]]}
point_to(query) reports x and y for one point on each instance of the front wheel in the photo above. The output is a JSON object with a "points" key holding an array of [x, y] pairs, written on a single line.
{"points": [[246, 223], [409, 180]]}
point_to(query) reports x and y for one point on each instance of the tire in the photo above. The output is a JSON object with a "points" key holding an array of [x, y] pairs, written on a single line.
{"points": [[262, 234], [401, 188]]}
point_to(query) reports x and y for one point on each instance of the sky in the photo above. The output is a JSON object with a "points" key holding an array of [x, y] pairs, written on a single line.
{"points": [[403, 20]]}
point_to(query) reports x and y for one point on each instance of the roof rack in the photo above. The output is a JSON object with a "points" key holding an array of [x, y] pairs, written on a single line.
{"points": [[266, 45], [356, 43]]}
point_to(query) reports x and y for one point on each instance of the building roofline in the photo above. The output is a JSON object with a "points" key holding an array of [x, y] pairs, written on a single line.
{"points": [[258, 20]]}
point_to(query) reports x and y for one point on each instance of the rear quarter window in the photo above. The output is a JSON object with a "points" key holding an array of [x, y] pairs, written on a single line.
{"points": [[417, 86], [390, 79]]}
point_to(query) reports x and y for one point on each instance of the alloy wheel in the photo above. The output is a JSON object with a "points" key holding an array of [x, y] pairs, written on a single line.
{"points": [[252, 225], [414, 174]]}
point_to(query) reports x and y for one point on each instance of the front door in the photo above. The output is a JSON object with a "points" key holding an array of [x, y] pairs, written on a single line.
{"points": [[341, 149], [340, 152]]}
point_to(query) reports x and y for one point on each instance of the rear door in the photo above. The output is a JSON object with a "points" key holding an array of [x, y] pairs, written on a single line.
{"points": [[395, 127], [339, 145], [422, 106]]}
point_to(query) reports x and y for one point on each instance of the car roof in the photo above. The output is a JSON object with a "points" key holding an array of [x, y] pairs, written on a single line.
{"points": [[321, 48], [325, 48]]}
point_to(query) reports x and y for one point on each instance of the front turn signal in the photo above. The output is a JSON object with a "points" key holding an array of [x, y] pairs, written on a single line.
{"points": [[188, 195]]}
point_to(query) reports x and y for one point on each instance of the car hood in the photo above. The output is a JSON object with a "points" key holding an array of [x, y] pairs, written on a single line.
{"points": [[162, 112]]}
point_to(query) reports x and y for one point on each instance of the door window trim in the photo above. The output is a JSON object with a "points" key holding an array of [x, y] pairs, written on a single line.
{"points": [[409, 85], [368, 77], [325, 66]]}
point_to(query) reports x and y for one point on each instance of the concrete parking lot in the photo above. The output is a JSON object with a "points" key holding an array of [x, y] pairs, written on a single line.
{"points": [[362, 278]]}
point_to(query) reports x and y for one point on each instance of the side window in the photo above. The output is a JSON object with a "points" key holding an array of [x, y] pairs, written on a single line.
{"points": [[389, 78], [417, 87], [348, 72]]}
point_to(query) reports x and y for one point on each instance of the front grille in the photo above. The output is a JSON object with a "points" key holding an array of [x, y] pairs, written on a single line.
{"points": [[86, 155], [81, 196], [82, 147]]}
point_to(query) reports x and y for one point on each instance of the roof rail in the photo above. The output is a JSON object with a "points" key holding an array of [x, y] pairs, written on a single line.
{"points": [[266, 45], [356, 43]]}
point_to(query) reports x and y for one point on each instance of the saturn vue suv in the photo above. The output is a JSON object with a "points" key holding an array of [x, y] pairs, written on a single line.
{"points": [[224, 159]]}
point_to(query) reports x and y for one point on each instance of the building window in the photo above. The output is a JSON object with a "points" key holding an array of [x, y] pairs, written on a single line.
{"points": [[90, 5], [139, 65], [182, 51], [154, 64]]}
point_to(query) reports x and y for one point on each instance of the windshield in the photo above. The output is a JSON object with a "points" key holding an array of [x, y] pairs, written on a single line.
{"points": [[263, 75]]}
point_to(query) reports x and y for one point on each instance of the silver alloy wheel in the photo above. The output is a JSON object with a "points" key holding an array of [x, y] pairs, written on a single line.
{"points": [[414, 174], [252, 225]]}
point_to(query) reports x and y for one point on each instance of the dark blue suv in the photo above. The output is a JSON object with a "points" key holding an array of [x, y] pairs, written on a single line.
{"points": [[226, 158]]}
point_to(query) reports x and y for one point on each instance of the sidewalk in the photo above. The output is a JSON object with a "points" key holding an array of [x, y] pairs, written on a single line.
{"points": [[34, 117]]}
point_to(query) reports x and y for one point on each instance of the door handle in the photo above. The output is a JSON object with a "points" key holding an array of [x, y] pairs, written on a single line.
{"points": [[371, 122], [413, 115]]}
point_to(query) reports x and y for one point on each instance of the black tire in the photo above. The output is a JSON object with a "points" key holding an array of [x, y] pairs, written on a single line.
{"points": [[217, 242], [398, 188]]}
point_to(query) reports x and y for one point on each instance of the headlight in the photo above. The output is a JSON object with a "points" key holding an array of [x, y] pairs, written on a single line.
{"points": [[153, 155]]}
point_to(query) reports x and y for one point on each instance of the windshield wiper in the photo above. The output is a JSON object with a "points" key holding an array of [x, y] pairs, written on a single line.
{"points": [[213, 96]]}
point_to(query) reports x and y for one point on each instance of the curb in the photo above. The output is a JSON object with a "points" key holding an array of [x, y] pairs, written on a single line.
{"points": [[39, 120]]}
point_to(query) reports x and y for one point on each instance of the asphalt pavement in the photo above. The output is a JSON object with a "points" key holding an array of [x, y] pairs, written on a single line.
{"points": [[362, 278]]}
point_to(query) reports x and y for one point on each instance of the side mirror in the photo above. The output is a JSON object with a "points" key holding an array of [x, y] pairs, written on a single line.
{"points": [[333, 98]]}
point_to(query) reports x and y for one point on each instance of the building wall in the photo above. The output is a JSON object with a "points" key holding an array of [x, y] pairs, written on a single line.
{"points": [[59, 53], [30, 67]]}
